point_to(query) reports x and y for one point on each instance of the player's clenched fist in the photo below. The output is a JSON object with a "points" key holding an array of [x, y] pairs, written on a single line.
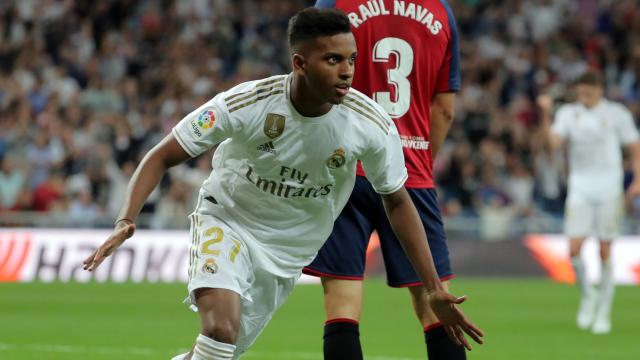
{"points": [[454, 321], [122, 231]]}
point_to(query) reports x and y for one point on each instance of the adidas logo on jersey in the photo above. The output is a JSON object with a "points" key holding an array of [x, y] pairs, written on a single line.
{"points": [[267, 147]]}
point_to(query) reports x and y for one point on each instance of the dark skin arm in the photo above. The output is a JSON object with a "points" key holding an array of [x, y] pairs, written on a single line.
{"points": [[408, 228], [159, 159], [442, 111], [634, 154]]}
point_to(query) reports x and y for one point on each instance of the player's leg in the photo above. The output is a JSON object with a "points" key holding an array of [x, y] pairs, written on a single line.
{"points": [[400, 273], [588, 295], [575, 251], [219, 311], [247, 316], [579, 222], [439, 345], [340, 263], [610, 213], [220, 275], [342, 305], [268, 293], [606, 288]]}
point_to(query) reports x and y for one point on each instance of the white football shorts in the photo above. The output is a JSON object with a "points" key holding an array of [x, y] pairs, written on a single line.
{"points": [[593, 216], [219, 258]]}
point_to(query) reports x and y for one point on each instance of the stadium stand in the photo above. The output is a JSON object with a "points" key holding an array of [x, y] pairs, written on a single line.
{"points": [[86, 88]]}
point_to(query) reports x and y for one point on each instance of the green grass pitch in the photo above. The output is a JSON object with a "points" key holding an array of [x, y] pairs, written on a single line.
{"points": [[522, 318]]}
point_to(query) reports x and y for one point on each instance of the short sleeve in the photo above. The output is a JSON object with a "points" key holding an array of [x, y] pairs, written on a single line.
{"points": [[384, 163], [561, 122], [626, 127], [204, 128], [449, 74]]}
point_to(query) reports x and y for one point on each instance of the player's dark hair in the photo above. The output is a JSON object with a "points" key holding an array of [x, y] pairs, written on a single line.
{"points": [[591, 77], [311, 23]]}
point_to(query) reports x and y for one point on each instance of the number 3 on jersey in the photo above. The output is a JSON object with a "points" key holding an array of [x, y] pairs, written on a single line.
{"points": [[397, 77]]}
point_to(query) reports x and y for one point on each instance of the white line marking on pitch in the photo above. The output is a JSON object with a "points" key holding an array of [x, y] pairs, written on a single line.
{"points": [[57, 348]]}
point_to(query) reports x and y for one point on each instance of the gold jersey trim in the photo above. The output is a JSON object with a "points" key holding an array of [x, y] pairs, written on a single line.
{"points": [[361, 109], [364, 101], [193, 249], [273, 91], [257, 87]]}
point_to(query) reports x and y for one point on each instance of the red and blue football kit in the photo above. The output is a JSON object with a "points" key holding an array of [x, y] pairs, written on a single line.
{"points": [[407, 52]]}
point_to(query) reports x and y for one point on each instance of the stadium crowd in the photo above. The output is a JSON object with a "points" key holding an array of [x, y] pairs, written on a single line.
{"points": [[87, 87]]}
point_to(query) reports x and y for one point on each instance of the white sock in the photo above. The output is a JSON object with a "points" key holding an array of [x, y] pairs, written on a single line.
{"points": [[581, 275], [607, 288], [208, 349]]}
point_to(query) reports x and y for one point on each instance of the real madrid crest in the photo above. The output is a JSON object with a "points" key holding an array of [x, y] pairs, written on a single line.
{"points": [[273, 125], [210, 266], [337, 159]]}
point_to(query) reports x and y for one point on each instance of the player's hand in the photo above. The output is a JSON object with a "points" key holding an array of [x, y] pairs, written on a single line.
{"points": [[122, 232], [545, 102], [454, 321]]}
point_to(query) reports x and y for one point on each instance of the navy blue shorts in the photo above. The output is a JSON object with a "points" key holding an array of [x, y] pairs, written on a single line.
{"points": [[343, 255]]}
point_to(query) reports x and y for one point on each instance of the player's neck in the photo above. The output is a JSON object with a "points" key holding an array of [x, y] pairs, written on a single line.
{"points": [[304, 101], [593, 105]]}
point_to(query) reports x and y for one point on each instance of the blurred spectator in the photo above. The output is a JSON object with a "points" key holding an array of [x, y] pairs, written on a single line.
{"points": [[118, 182], [494, 207], [48, 193], [12, 183], [82, 210], [43, 154], [174, 208], [86, 88], [519, 187]]}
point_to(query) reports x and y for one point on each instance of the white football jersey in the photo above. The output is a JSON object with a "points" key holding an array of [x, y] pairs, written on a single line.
{"points": [[595, 137], [285, 177]]}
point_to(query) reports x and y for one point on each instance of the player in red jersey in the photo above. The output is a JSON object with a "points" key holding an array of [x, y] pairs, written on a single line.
{"points": [[408, 62]]}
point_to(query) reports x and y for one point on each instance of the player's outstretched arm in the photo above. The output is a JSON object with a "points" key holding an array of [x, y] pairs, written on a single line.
{"points": [[406, 224], [545, 104], [123, 230], [159, 159]]}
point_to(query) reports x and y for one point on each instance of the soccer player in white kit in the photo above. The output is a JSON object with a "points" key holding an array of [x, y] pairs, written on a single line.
{"points": [[282, 172], [595, 130]]}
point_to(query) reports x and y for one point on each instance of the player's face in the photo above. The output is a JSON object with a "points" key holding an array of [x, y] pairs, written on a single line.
{"points": [[328, 67], [588, 95]]}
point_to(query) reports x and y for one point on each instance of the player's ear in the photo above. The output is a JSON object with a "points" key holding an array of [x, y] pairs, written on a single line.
{"points": [[298, 63]]}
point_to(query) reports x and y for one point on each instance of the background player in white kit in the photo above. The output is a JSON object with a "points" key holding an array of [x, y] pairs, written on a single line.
{"points": [[595, 130], [283, 170]]}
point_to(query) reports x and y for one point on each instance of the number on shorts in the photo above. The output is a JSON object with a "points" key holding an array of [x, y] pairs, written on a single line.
{"points": [[218, 235], [396, 77], [236, 249]]}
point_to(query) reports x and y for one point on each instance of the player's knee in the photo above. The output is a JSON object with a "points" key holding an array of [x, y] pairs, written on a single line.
{"points": [[342, 308], [575, 246], [342, 298], [222, 331], [605, 253]]}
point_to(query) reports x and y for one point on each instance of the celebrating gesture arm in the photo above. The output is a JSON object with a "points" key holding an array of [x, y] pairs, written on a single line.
{"points": [[545, 103], [161, 157], [406, 225]]}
